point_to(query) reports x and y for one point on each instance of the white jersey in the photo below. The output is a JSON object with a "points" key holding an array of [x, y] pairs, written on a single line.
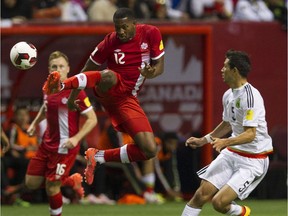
{"points": [[245, 107]]}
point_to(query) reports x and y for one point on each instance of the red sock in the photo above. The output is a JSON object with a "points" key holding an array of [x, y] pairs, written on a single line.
{"points": [[129, 153], [135, 153], [112, 155], [68, 182], [56, 203], [83, 80], [149, 189]]}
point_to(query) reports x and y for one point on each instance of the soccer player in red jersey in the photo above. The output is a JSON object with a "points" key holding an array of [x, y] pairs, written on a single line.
{"points": [[133, 53], [60, 143]]}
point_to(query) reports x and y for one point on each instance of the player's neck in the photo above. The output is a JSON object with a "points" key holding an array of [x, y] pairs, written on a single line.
{"points": [[238, 84]]}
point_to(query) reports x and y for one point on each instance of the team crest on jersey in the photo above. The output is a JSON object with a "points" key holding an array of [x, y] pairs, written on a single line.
{"points": [[144, 46], [249, 114], [64, 100], [82, 77], [237, 104]]}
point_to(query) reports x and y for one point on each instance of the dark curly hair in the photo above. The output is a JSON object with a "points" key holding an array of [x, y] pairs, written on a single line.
{"points": [[239, 60], [123, 13]]}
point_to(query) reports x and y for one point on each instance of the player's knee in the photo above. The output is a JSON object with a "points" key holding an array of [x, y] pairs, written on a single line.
{"points": [[53, 188], [108, 77], [219, 205], [146, 142], [150, 152], [31, 184], [200, 198]]}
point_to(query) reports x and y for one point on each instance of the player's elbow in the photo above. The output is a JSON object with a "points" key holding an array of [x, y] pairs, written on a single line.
{"points": [[251, 135]]}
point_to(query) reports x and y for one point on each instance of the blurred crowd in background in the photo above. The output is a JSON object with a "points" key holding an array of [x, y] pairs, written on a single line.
{"points": [[173, 10]]}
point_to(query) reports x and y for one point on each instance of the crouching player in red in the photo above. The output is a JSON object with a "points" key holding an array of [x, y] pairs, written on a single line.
{"points": [[60, 144], [133, 53]]}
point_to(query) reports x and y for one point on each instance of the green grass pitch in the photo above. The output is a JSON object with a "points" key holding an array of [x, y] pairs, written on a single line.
{"points": [[259, 208]]}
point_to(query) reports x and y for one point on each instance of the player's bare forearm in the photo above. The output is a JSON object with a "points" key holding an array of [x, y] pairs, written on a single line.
{"points": [[41, 114], [156, 68], [158, 71], [195, 142], [247, 136], [39, 117], [71, 103], [90, 66], [88, 125], [221, 130]]}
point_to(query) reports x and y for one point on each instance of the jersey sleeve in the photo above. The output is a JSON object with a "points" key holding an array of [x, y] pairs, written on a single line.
{"points": [[253, 110], [100, 53], [84, 102], [157, 45]]}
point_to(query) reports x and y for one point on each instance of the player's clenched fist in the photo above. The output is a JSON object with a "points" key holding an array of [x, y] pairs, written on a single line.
{"points": [[194, 142], [147, 71]]}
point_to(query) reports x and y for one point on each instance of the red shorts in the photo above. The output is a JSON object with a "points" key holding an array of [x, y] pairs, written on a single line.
{"points": [[124, 109], [51, 165]]}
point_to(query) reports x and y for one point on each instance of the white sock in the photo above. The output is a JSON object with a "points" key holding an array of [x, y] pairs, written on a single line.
{"points": [[149, 179], [189, 211], [124, 154], [82, 80], [234, 210], [99, 157]]}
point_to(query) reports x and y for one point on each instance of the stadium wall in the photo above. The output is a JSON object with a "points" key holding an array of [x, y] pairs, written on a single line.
{"points": [[190, 94]]}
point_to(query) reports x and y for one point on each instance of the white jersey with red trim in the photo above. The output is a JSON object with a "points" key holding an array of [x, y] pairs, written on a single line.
{"points": [[61, 122], [126, 57], [245, 107]]}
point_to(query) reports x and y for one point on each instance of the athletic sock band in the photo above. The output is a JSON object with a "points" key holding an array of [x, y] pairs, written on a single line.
{"points": [[84, 80]]}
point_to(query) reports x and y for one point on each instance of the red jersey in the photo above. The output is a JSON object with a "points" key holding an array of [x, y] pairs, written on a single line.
{"points": [[61, 122], [126, 57]]}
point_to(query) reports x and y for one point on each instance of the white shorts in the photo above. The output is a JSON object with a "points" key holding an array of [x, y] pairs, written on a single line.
{"points": [[242, 174]]}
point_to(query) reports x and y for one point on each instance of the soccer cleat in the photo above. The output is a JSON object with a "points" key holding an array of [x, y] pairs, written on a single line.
{"points": [[22, 203], [152, 197], [101, 199], [52, 84], [91, 164], [245, 211], [77, 178]]}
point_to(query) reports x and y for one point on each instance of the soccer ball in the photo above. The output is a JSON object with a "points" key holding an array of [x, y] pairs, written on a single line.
{"points": [[23, 55]]}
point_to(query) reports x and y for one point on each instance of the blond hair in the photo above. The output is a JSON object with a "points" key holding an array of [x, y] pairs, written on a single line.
{"points": [[57, 54]]}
